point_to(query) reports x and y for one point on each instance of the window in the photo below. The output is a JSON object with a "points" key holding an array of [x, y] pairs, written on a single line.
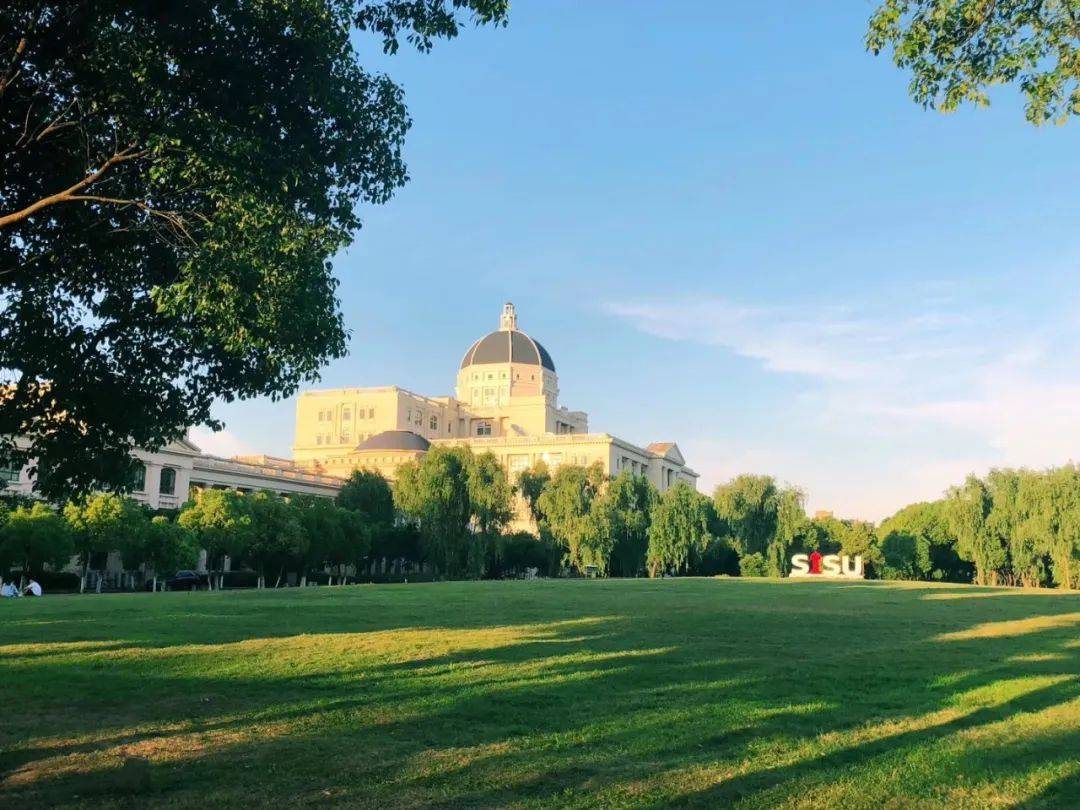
{"points": [[517, 464], [138, 479], [433, 423], [360, 413], [491, 376], [346, 415], [320, 416], [168, 481], [419, 418], [371, 413], [344, 438], [483, 428], [318, 439]]}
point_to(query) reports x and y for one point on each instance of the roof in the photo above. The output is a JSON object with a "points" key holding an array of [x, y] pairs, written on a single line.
{"points": [[507, 346], [394, 440], [668, 450]]}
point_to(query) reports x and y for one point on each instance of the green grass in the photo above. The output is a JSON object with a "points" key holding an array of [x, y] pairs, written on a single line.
{"points": [[561, 693]]}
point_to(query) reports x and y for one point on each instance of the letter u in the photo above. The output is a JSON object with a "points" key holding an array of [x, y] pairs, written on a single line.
{"points": [[851, 567]]}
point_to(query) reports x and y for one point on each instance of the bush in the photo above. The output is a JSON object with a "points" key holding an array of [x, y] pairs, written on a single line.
{"points": [[753, 565]]}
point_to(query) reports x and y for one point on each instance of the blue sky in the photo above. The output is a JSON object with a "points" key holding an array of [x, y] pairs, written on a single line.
{"points": [[732, 229]]}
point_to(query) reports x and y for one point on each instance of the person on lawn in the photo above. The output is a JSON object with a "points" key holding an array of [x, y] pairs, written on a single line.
{"points": [[32, 588]]}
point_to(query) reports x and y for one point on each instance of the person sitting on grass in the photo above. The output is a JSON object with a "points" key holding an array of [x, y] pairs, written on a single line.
{"points": [[32, 588], [9, 591]]}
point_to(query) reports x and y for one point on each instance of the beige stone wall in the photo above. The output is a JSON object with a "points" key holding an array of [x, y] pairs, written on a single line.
{"points": [[332, 422]]}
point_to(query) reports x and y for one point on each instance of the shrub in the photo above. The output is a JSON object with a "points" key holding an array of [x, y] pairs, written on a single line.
{"points": [[753, 565]]}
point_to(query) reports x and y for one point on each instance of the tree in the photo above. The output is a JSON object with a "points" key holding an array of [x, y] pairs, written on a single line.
{"points": [[678, 529], [276, 538], [220, 524], [622, 512], [102, 523], [368, 493], [791, 525], [168, 546], [34, 537], [175, 181], [907, 540], [490, 503], [435, 493], [565, 507], [748, 504], [968, 510], [957, 49], [530, 484]]}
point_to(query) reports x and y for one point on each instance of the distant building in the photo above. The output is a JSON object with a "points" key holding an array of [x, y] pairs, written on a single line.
{"points": [[169, 475], [821, 514], [505, 403]]}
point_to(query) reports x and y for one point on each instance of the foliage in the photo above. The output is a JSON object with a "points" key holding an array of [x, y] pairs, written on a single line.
{"points": [[33, 537], [753, 565], [791, 524], [168, 547], [748, 504], [105, 522], [275, 537], [968, 509], [678, 529], [219, 522], [435, 493], [622, 513], [530, 485], [565, 506], [174, 185], [369, 494], [957, 49]]}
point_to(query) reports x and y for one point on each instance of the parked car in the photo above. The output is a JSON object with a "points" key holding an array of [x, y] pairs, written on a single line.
{"points": [[183, 581]]}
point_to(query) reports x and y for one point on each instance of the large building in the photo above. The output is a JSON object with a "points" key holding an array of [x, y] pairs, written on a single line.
{"points": [[506, 402]]}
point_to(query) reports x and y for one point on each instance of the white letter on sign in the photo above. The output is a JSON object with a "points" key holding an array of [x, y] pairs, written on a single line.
{"points": [[830, 565], [800, 564]]}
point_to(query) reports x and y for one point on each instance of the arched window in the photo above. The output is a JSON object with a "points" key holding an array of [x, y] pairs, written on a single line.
{"points": [[168, 481]]}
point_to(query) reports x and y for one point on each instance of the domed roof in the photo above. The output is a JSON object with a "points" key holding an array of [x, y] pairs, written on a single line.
{"points": [[508, 345], [394, 440]]}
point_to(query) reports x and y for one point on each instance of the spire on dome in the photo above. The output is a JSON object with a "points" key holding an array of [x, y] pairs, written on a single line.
{"points": [[508, 320]]}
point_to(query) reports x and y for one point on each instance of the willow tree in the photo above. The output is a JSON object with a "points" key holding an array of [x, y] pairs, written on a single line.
{"points": [[435, 493], [956, 50], [175, 179], [968, 508], [623, 512], [566, 510], [678, 529]]}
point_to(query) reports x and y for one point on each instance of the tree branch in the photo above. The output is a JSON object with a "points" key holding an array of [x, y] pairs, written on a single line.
{"points": [[70, 193], [12, 72]]}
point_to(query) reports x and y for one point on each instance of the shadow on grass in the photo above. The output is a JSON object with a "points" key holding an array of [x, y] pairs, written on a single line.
{"points": [[700, 692]]}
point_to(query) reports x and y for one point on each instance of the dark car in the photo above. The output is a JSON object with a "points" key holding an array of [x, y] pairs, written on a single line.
{"points": [[183, 581]]}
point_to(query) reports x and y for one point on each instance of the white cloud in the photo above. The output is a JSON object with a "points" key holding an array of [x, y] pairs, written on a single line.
{"points": [[897, 397], [223, 443]]}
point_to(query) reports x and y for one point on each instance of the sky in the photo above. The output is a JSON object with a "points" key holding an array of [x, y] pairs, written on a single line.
{"points": [[732, 229]]}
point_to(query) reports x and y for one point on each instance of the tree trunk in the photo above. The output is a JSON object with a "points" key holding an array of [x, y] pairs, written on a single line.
{"points": [[281, 573], [303, 581], [155, 584]]}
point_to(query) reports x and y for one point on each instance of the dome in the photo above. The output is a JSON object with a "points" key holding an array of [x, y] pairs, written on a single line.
{"points": [[394, 440], [508, 345]]}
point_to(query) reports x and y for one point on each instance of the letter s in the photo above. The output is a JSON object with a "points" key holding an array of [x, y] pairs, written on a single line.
{"points": [[800, 564], [830, 566]]}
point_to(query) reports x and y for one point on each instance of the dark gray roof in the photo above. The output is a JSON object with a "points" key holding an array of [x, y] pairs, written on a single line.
{"points": [[395, 440], [508, 346]]}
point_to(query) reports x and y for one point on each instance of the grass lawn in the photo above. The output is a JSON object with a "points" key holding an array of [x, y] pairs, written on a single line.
{"points": [[559, 693]]}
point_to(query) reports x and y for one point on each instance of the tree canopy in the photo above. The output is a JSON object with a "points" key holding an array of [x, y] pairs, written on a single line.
{"points": [[175, 180], [956, 50]]}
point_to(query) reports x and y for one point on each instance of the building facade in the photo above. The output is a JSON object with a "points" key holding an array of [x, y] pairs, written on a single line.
{"points": [[506, 402]]}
